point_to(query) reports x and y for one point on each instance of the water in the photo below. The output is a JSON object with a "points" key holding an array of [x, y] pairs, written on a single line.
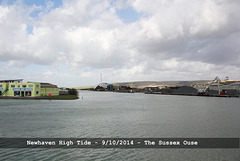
{"points": [[122, 115]]}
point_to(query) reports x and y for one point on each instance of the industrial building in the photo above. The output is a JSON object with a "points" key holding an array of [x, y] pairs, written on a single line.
{"points": [[17, 88]]}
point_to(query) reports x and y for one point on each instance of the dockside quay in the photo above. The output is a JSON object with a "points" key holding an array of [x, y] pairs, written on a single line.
{"points": [[17, 88]]}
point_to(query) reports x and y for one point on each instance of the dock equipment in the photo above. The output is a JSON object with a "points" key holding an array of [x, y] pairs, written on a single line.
{"points": [[215, 80]]}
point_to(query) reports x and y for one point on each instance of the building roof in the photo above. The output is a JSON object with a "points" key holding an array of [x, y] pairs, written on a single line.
{"points": [[104, 85], [46, 85], [11, 80]]}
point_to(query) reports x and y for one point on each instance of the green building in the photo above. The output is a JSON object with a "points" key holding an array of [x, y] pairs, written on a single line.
{"points": [[16, 88]]}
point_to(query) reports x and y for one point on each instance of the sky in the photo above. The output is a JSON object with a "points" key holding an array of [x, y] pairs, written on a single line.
{"points": [[72, 42]]}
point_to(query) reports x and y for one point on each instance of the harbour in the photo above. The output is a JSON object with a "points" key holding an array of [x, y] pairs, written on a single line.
{"points": [[207, 88], [119, 80], [121, 115]]}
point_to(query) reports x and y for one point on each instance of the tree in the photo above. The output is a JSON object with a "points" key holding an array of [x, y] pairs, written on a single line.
{"points": [[72, 92]]}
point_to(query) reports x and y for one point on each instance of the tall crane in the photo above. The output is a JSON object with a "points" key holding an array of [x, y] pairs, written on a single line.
{"points": [[215, 80]]}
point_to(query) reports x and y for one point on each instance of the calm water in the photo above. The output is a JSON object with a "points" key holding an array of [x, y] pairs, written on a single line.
{"points": [[105, 114]]}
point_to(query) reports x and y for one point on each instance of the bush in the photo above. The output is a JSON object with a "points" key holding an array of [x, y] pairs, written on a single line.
{"points": [[72, 92]]}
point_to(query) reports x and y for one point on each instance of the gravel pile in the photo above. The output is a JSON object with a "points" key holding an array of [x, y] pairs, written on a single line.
{"points": [[185, 90]]}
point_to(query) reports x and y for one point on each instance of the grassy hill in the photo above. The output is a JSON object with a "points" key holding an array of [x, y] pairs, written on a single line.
{"points": [[142, 84], [83, 88]]}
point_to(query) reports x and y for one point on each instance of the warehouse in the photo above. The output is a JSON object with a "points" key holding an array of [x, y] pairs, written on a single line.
{"points": [[17, 88]]}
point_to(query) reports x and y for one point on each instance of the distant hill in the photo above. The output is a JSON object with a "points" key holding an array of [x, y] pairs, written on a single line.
{"points": [[142, 84], [83, 88]]}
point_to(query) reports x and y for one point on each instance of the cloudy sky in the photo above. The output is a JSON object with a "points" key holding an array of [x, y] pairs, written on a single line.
{"points": [[70, 42]]}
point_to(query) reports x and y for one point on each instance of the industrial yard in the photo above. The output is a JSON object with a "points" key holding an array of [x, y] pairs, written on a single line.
{"points": [[215, 87], [18, 89]]}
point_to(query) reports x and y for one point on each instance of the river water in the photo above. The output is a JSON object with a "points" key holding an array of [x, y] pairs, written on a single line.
{"points": [[121, 115]]}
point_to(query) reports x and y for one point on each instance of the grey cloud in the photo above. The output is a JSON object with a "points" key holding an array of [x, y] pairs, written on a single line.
{"points": [[200, 39], [170, 38]]}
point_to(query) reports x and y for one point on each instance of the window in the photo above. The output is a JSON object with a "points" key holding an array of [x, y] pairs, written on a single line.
{"points": [[24, 86], [13, 86], [16, 93], [0, 85], [37, 92], [18, 86], [30, 86], [37, 86], [28, 93]]}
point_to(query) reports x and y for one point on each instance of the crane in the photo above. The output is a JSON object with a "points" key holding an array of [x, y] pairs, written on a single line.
{"points": [[215, 80]]}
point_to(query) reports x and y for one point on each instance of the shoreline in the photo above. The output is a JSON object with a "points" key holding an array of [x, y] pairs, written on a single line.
{"points": [[159, 93], [60, 97], [224, 96]]}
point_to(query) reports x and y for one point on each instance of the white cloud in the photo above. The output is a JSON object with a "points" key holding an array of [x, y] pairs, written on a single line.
{"points": [[3, 13], [173, 39]]}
